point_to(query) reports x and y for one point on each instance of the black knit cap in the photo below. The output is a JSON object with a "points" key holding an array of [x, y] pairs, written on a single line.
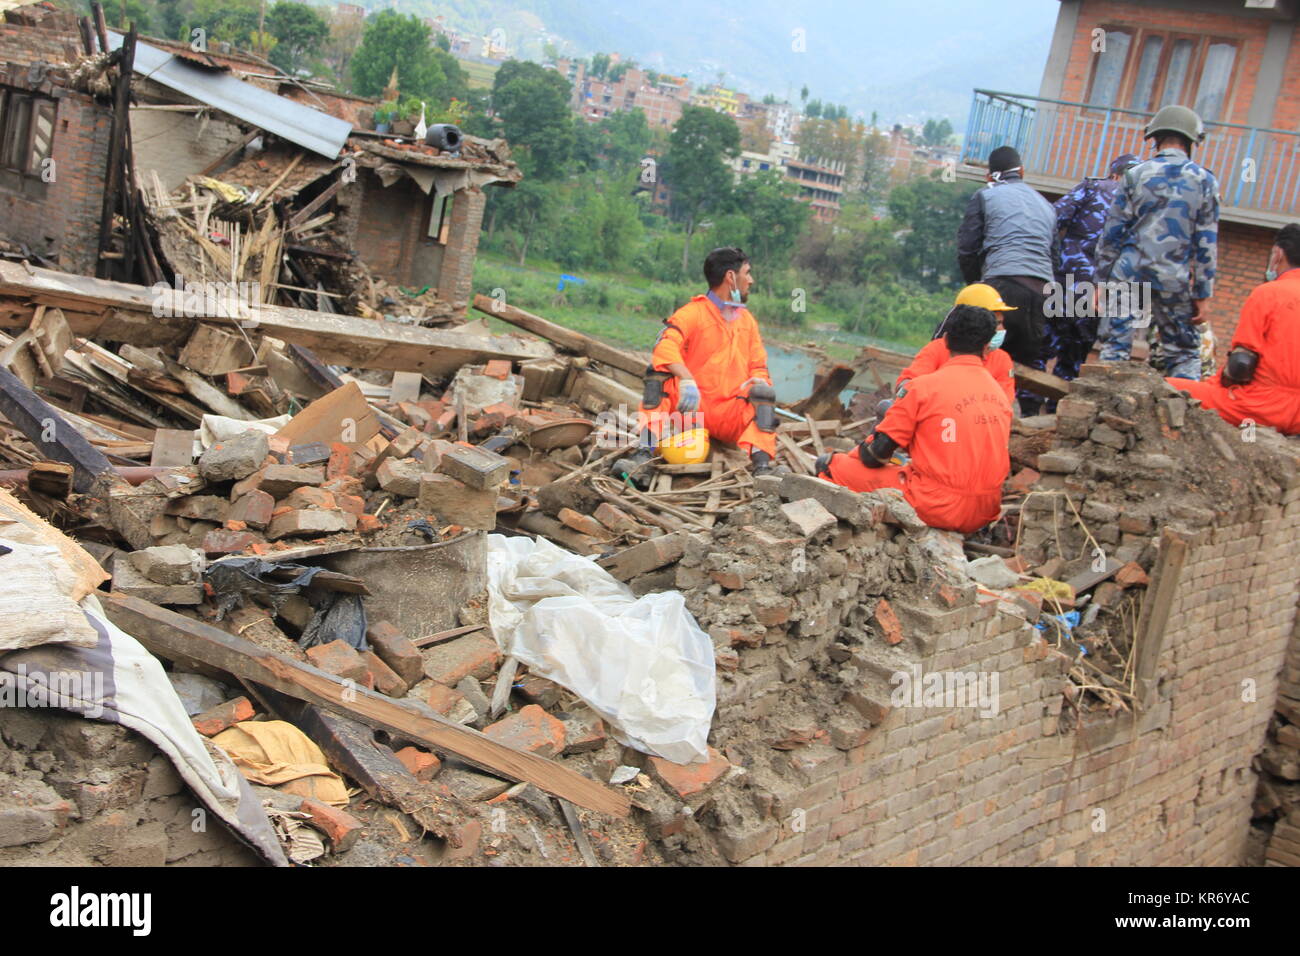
{"points": [[1003, 158]]}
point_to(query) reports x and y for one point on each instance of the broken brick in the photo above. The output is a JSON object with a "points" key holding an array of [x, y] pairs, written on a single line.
{"points": [[444, 699], [449, 498], [222, 541], [474, 655], [690, 779], [582, 734], [278, 480], [368, 523], [340, 461], [340, 659], [223, 716], [1131, 575], [1107, 594], [341, 827], [887, 621], [497, 368], [540, 691], [615, 520], [309, 523], [395, 650], [254, 509], [423, 765], [385, 679], [308, 497], [400, 476], [1023, 480], [530, 729], [582, 523], [199, 508], [350, 504]]}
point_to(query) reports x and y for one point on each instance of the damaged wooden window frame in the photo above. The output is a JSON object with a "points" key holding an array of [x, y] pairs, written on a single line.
{"points": [[26, 141], [1152, 710]]}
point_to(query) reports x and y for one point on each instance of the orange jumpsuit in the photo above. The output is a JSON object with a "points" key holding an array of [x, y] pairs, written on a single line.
{"points": [[1269, 327], [935, 353], [722, 355], [956, 424]]}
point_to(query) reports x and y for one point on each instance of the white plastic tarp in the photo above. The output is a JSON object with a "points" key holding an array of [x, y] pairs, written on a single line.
{"points": [[642, 664]]}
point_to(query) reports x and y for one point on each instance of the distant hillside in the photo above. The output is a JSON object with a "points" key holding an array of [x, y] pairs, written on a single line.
{"points": [[903, 59]]}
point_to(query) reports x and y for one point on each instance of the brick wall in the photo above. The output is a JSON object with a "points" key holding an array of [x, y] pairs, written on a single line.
{"points": [[826, 769], [389, 227], [65, 222], [455, 284], [1243, 257], [1251, 31]]}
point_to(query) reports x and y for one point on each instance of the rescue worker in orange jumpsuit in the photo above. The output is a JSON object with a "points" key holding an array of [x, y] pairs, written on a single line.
{"points": [[1260, 381], [935, 353], [955, 422], [709, 368]]}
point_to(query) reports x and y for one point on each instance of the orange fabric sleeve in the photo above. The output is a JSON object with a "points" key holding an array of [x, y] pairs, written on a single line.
{"points": [[900, 421], [933, 355], [671, 345], [757, 353], [1252, 327], [1002, 369]]}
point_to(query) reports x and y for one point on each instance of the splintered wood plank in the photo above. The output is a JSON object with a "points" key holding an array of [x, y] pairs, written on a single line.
{"points": [[168, 634], [799, 460], [715, 496]]}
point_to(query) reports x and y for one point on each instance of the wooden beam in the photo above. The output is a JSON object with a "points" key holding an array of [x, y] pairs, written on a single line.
{"points": [[1040, 383], [631, 362], [169, 635], [121, 312], [1166, 579], [50, 432]]}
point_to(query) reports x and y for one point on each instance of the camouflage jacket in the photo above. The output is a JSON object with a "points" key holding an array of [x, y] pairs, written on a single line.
{"points": [[1080, 215], [1163, 227]]}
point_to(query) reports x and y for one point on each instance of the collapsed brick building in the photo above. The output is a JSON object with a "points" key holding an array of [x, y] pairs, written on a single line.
{"points": [[411, 214]]}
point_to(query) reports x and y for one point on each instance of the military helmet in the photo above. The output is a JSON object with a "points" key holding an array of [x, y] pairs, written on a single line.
{"points": [[1177, 119]]}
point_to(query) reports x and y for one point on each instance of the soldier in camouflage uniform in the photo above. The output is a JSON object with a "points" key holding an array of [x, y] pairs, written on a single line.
{"points": [[1162, 231], [1080, 215]]}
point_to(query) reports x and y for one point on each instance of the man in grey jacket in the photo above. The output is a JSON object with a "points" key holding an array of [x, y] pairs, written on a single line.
{"points": [[1008, 240]]}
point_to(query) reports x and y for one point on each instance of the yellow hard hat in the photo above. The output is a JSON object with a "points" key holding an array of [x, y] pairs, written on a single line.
{"points": [[685, 448], [984, 296]]}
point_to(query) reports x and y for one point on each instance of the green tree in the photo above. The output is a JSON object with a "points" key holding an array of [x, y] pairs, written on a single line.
{"points": [[599, 65], [776, 217], [813, 109], [125, 12], [936, 132], [930, 211], [696, 167], [532, 103], [231, 21], [393, 40], [299, 32]]}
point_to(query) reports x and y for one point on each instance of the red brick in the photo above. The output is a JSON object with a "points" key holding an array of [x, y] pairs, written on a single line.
{"points": [[340, 463], [583, 523], [443, 698], [396, 651], [887, 621], [345, 485], [583, 734], [368, 523], [423, 765], [341, 827], [497, 368], [1131, 575], [223, 716], [386, 680], [309, 497], [531, 729], [688, 780], [223, 541], [351, 504], [1023, 480], [773, 616], [340, 659], [254, 509], [474, 655]]}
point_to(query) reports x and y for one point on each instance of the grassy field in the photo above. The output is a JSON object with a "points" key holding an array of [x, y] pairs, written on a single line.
{"points": [[480, 74], [625, 311]]}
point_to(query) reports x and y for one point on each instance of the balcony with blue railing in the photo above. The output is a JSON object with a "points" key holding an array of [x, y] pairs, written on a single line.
{"points": [[1060, 143]]}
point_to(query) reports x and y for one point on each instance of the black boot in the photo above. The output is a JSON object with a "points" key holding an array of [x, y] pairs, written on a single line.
{"points": [[634, 467], [760, 463]]}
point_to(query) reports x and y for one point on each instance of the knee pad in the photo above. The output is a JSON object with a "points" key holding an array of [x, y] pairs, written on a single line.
{"points": [[763, 398], [652, 394]]}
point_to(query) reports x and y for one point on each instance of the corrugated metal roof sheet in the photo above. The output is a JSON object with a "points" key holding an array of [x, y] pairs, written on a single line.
{"points": [[307, 127]]}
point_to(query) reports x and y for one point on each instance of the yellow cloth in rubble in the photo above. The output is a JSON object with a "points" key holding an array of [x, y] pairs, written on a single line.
{"points": [[278, 754], [1051, 589]]}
